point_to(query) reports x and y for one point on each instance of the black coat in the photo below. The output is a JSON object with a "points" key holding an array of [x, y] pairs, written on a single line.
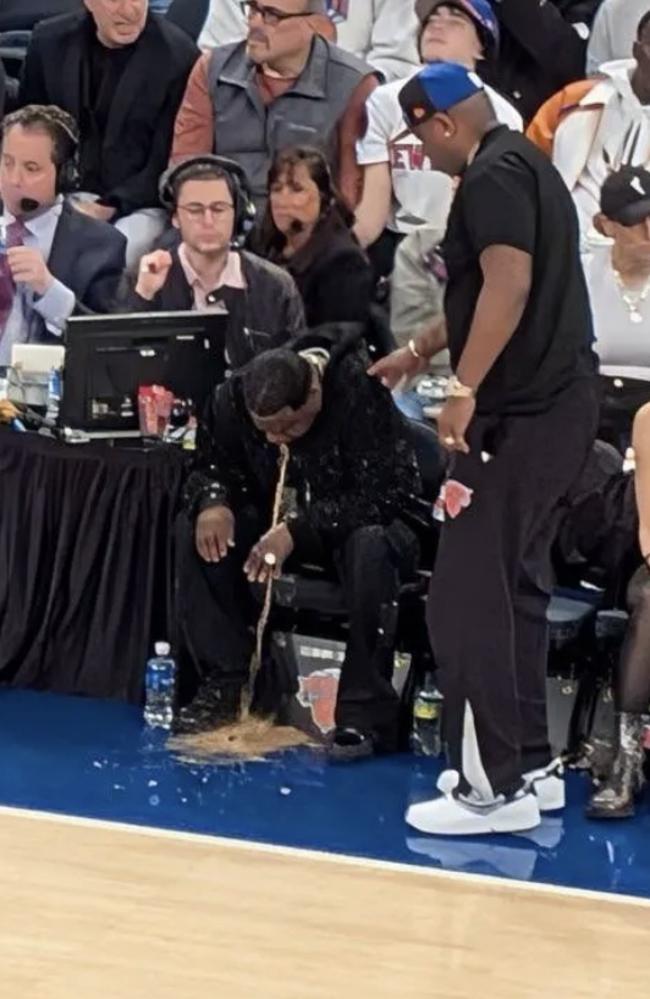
{"points": [[540, 50], [334, 276], [88, 257], [136, 144], [267, 314], [354, 468]]}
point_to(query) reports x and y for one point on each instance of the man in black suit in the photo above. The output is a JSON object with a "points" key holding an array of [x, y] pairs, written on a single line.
{"points": [[55, 260], [121, 72]]}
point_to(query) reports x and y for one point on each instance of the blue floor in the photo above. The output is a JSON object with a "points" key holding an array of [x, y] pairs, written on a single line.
{"points": [[95, 759]]}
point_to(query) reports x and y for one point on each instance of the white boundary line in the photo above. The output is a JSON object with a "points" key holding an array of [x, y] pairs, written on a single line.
{"points": [[414, 870]]}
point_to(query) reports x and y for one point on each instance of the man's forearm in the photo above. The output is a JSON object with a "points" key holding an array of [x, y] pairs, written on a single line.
{"points": [[641, 445], [507, 278], [431, 340]]}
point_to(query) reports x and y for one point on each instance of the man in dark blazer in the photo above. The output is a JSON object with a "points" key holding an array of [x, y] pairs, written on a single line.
{"points": [[121, 72], [56, 260]]}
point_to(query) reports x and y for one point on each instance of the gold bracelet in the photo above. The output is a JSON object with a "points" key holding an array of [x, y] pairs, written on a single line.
{"points": [[456, 389]]}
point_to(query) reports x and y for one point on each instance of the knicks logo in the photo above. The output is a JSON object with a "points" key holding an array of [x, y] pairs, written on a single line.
{"points": [[318, 693]]}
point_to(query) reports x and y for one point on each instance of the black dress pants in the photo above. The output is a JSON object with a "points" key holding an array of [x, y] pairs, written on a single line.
{"points": [[492, 584], [217, 615]]}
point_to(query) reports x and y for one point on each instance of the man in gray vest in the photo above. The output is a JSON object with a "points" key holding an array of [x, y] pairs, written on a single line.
{"points": [[285, 85]]}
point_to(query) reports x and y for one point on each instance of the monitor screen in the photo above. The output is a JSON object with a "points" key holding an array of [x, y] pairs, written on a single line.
{"points": [[109, 357]]}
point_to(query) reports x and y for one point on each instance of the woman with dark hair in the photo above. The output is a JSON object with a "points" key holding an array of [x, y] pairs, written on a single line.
{"points": [[308, 229]]}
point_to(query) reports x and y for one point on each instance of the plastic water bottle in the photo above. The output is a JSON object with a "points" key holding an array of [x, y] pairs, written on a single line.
{"points": [[426, 736], [160, 688], [53, 395]]}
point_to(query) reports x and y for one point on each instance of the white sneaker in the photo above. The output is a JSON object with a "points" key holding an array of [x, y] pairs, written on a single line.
{"points": [[472, 815], [548, 785]]}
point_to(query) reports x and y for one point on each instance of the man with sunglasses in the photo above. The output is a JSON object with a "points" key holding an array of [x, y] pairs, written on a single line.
{"points": [[284, 85], [208, 272]]}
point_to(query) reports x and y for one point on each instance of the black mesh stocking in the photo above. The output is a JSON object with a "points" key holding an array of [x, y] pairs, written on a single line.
{"points": [[633, 681]]}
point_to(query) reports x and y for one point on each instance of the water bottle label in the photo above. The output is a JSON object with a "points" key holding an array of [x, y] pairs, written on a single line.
{"points": [[426, 710]]}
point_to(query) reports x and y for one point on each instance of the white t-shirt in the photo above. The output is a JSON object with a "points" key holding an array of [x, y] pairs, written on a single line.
{"points": [[421, 196], [622, 345]]}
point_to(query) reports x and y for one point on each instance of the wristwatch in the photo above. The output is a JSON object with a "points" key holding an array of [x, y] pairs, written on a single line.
{"points": [[456, 389]]}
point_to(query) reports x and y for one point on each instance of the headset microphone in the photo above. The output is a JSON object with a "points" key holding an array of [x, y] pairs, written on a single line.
{"points": [[296, 227]]}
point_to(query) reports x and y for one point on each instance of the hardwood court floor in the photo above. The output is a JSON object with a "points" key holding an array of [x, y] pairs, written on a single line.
{"points": [[94, 911]]}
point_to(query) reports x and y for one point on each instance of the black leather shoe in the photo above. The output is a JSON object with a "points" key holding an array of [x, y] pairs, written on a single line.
{"points": [[213, 706], [350, 745]]}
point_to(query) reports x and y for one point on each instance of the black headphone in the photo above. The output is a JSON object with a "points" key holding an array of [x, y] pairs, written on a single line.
{"points": [[67, 172], [235, 177]]}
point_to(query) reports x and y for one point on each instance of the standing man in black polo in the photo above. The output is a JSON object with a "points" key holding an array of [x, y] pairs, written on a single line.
{"points": [[519, 420]]}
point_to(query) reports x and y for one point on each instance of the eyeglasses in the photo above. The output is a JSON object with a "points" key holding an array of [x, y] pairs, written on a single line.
{"points": [[217, 209], [270, 15]]}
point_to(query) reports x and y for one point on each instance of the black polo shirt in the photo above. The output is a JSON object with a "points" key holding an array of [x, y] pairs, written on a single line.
{"points": [[512, 195]]}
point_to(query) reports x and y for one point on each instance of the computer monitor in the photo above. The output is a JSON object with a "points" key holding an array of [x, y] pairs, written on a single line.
{"points": [[109, 357]]}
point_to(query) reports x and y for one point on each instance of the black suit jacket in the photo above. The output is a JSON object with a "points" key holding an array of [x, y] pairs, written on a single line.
{"points": [[138, 137], [88, 257]]}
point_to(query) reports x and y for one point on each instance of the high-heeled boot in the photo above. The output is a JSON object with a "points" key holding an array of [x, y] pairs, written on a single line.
{"points": [[616, 798]]}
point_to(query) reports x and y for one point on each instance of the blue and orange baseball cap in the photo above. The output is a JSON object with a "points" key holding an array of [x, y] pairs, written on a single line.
{"points": [[437, 87], [480, 11]]}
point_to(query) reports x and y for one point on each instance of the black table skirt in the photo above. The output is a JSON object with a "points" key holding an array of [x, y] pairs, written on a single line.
{"points": [[86, 537]]}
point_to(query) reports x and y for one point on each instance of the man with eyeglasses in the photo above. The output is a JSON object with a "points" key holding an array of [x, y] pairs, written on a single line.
{"points": [[206, 271], [379, 31], [284, 85]]}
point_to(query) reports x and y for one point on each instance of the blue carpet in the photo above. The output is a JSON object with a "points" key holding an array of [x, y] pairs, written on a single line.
{"points": [[95, 759]]}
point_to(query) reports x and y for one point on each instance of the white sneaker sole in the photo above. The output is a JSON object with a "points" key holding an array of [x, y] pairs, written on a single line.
{"points": [[550, 791], [447, 816]]}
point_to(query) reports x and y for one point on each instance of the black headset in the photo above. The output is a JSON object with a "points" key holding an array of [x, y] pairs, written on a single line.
{"points": [[67, 173], [235, 177]]}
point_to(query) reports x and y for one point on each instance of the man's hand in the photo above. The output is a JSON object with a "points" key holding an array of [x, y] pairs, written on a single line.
{"points": [[400, 365], [276, 542], [453, 422], [214, 533], [152, 273], [104, 213], [27, 265]]}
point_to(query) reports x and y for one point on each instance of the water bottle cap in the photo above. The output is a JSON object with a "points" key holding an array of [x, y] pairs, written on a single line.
{"points": [[162, 648]]}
